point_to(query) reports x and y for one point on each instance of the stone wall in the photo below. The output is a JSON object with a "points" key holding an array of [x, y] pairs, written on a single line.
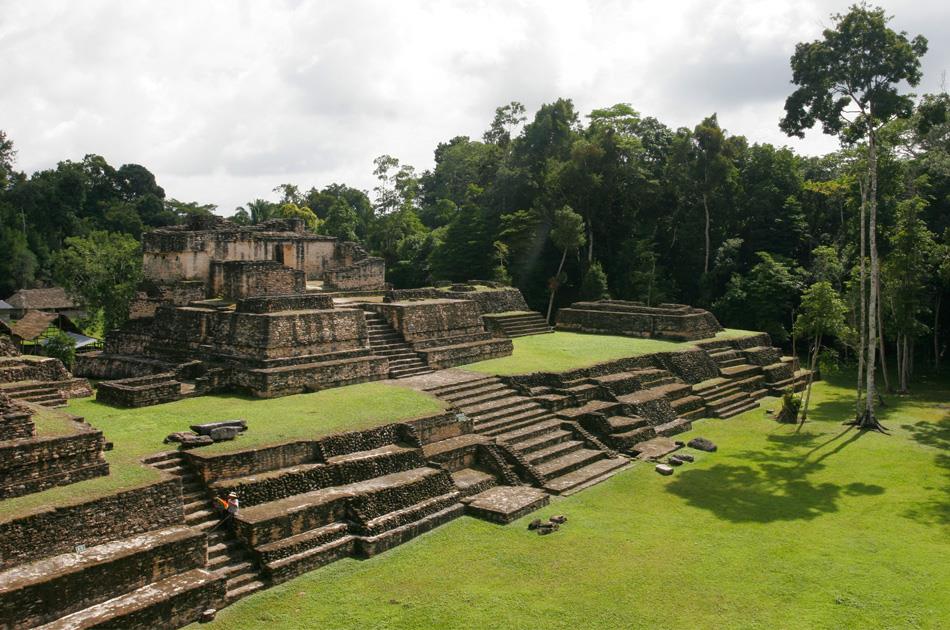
{"points": [[207, 333], [32, 368], [368, 274], [495, 300], [177, 253], [308, 377], [58, 530], [7, 347], [103, 365], [38, 463], [275, 304], [633, 319], [58, 586], [141, 391], [432, 319], [253, 278]]}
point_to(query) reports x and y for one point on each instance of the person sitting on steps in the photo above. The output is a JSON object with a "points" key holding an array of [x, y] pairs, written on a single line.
{"points": [[229, 508]]}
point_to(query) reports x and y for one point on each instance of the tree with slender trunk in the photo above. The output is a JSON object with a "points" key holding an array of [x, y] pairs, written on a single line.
{"points": [[849, 80], [822, 314], [567, 234]]}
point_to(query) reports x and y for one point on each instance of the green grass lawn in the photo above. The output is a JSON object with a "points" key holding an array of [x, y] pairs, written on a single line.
{"points": [[822, 527], [562, 351], [139, 432]]}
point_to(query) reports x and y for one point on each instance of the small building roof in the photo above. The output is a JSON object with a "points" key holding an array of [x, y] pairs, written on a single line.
{"points": [[81, 340], [4, 306], [32, 325], [41, 299]]}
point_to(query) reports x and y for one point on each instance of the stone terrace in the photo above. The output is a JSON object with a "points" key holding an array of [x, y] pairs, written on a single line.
{"points": [[634, 319]]}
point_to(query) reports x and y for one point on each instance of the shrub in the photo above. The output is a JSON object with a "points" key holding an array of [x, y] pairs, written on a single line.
{"points": [[61, 346], [791, 404]]}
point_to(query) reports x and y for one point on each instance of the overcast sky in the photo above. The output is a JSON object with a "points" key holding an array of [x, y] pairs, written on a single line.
{"points": [[225, 100]]}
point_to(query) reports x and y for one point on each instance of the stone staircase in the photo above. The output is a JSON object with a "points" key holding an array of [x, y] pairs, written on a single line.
{"points": [[552, 453], [47, 394], [738, 387], [227, 556], [632, 406], [297, 518], [385, 341], [518, 323]]}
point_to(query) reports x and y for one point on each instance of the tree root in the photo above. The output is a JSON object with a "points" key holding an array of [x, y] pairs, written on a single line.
{"points": [[867, 421]]}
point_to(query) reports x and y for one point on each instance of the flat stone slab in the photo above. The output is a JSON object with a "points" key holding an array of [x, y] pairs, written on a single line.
{"points": [[504, 504], [655, 448]]}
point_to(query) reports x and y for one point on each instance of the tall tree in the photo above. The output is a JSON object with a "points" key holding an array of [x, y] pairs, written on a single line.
{"points": [[567, 234], [849, 80]]}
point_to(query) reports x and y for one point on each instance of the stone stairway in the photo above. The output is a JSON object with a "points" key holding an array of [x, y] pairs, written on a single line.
{"points": [[551, 452], [385, 341], [518, 323], [227, 556], [354, 503], [635, 405], [47, 394]]}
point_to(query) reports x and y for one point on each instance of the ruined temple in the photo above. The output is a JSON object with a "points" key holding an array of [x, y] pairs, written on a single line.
{"points": [[273, 310]]}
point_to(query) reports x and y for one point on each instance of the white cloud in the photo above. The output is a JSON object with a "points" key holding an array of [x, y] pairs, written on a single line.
{"points": [[224, 100]]}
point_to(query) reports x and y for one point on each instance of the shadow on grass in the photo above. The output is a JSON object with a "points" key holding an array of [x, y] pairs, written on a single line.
{"points": [[935, 511], [775, 486]]}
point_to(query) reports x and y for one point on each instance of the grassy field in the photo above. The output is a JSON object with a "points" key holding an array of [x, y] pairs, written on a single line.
{"points": [[822, 527], [561, 351], [139, 432]]}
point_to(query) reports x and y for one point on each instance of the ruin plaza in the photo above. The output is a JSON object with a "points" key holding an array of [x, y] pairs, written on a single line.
{"points": [[272, 311]]}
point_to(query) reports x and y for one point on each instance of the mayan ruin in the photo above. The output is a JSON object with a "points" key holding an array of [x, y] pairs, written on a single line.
{"points": [[474, 315]]}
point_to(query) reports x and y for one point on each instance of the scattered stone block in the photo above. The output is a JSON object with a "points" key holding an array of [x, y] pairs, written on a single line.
{"points": [[533, 525], [547, 528], [673, 461], [685, 457], [664, 469], [223, 434], [560, 519], [702, 444], [179, 436], [208, 615], [208, 427], [196, 441]]}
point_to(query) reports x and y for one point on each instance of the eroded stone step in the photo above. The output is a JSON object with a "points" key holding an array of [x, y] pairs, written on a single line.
{"points": [[586, 476], [554, 451], [569, 462], [535, 429]]}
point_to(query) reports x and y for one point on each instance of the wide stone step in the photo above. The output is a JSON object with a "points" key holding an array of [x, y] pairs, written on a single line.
{"points": [[740, 371], [473, 393], [586, 476], [510, 423], [590, 407], [483, 396], [367, 546], [726, 401], [495, 408], [463, 386], [300, 543], [735, 410], [244, 590], [671, 428], [470, 481], [569, 462], [619, 424], [172, 602], [626, 439], [522, 434], [554, 451], [544, 441]]}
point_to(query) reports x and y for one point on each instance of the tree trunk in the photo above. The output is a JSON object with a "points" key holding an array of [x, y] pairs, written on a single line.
{"points": [[936, 327], [811, 377], [557, 280], [706, 210], [882, 346], [868, 419], [899, 358], [862, 325]]}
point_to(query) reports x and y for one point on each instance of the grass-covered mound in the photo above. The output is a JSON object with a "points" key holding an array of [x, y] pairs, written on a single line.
{"points": [[822, 527], [139, 432], [563, 351]]}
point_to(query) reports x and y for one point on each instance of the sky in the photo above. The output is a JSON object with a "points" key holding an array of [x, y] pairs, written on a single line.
{"points": [[224, 100]]}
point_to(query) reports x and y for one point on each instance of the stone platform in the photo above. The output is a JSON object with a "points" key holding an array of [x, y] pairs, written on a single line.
{"points": [[504, 504]]}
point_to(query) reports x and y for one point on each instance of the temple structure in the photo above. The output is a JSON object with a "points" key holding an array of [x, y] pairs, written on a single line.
{"points": [[273, 310]]}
